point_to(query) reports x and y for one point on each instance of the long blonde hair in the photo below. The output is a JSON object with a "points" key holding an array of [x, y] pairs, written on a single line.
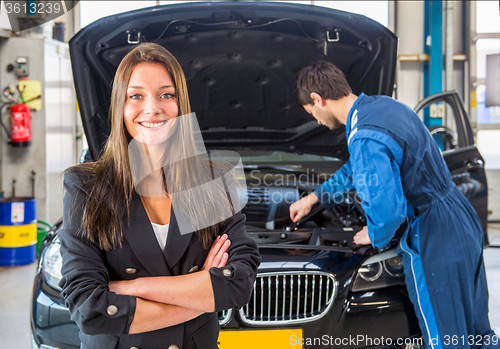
{"points": [[110, 185]]}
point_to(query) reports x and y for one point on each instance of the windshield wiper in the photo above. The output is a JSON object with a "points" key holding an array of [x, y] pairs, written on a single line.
{"points": [[288, 168]]}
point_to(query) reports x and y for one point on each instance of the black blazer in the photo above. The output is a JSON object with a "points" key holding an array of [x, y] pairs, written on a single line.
{"points": [[86, 271]]}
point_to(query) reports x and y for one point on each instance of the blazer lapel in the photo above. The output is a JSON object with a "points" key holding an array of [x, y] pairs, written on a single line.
{"points": [[177, 243], [142, 239]]}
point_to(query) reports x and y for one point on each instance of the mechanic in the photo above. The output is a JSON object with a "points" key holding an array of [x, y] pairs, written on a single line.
{"points": [[409, 180]]}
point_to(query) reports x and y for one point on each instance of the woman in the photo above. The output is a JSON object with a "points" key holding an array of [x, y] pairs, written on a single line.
{"points": [[133, 275]]}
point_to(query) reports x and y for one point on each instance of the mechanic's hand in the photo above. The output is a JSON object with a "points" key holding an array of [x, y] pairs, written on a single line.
{"points": [[302, 207], [362, 237], [217, 256]]}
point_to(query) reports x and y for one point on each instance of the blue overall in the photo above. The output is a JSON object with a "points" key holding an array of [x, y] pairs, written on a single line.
{"points": [[398, 171]]}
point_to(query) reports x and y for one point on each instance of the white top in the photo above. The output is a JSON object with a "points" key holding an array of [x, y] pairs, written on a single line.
{"points": [[161, 232]]}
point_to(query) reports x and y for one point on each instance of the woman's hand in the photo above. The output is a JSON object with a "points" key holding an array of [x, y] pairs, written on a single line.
{"points": [[125, 287], [362, 237], [217, 256]]}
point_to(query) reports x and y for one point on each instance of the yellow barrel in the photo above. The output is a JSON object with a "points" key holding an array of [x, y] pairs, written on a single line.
{"points": [[18, 235]]}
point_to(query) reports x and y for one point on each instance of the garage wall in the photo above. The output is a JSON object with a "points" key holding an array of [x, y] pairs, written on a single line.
{"points": [[53, 146], [408, 24], [409, 28]]}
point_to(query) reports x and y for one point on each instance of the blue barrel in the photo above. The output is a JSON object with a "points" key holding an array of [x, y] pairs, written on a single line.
{"points": [[14, 256], [15, 211], [17, 231]]}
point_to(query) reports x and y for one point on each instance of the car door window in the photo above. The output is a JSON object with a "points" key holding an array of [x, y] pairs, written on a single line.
{"points": [[444, 116]]}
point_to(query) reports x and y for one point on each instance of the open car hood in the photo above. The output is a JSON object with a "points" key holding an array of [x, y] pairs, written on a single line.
{"points": [[241, 60]]}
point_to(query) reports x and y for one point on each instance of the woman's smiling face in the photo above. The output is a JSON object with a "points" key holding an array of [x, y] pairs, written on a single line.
{"points": [[151, 107]]}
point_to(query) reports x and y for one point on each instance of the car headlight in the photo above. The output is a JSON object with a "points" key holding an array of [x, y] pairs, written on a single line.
{"points": [[51, 264], [379, 271], [394, 267], [370, 272]]}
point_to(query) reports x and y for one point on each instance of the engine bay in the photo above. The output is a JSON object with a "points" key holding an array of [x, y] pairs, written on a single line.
{"points": [[268, 218]]}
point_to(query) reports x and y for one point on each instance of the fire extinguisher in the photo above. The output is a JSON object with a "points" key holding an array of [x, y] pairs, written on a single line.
{"points": [[20, 125]]}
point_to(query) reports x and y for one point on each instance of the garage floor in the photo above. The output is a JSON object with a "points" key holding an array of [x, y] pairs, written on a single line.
{"points": [[16, 283]]}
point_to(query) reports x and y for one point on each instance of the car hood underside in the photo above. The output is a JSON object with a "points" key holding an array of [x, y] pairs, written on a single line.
{"points": [[241, 60]]}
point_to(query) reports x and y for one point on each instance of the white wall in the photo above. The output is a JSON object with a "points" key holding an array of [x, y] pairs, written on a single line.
{"points": [[409, 28], [377, 10]]}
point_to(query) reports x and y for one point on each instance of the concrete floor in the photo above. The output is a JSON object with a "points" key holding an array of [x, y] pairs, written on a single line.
{"points": [[16, 284], [15, 294], [492, 263]]}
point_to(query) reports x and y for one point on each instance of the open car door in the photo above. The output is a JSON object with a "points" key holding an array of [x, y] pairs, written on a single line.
{"points": [[453, 133]]}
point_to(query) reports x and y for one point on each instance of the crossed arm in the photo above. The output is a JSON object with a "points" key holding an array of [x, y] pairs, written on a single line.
{"points": [[170, 300], [148, 304]]}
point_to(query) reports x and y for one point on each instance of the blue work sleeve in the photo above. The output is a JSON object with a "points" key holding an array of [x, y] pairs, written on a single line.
{"points": [[331, 192], [377, 179]]}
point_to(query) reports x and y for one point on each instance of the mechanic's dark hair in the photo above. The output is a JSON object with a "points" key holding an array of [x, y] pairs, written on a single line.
{"points": [[325, 79]]}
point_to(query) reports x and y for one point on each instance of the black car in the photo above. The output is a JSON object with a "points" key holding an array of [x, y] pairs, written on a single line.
{"points": [[314, 287]]}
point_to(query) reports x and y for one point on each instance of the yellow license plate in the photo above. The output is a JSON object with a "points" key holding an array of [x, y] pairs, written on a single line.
{"points": [[262, 339]]}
